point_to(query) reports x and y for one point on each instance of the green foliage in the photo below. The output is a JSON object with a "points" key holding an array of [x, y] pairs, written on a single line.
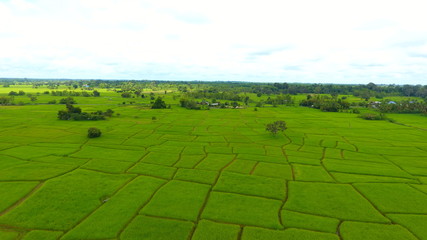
{"points": [[276, 126], [190, 104], [68, 101], [404, 106], [158, 104], [126, 95], [373, 116], [6, 100], [93, 132], [325, 103], [243, 173], [76, 114]]}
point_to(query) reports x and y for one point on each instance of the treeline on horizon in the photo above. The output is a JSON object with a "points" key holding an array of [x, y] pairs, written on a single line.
{"points": [[199, 87]]}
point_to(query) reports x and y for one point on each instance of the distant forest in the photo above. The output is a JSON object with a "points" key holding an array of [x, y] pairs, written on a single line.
{"points": [[205, 89]]}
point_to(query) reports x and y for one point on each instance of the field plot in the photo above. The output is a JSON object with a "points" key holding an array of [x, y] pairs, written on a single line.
{"points": [[213, 174]]}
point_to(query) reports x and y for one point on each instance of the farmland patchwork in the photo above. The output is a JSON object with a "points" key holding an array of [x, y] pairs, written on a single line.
{"points": [[211, 175]]}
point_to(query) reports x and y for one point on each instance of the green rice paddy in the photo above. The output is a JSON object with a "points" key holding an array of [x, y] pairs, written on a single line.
{"points": [[213, 174]]}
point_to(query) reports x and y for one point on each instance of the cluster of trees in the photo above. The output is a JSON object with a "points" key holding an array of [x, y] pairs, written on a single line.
{"points": [[190, 104], [361, 90], [13, 93], [405, 106], [280, 100], [325, 103], [214, 93], [373, 116], [159, 104], [76, 114], [74, 93], [232, 90], [6, 100]]}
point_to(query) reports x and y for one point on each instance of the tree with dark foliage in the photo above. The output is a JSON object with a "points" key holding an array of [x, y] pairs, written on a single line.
{"points": [[276, 126], [93, 132]]}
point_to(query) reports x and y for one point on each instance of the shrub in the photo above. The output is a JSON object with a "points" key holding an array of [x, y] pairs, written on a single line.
{"points": [[68, 100], [93, 132], [158, 104], [6, 100], [372, 116]]}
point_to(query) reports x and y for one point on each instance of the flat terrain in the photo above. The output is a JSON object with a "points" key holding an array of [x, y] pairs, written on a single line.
{"points": [[213, 174]]}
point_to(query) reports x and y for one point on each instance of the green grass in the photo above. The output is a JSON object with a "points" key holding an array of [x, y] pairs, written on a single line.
{"points": [[33, 171], [417, 224], [246, 210], [188, 199], [374, 231], [292, 219], [251, 185], [395, 197], [311, 173], [8, 235], [253, 233], [40, 234], [208, 230], [282, 171], [66, 199], [143, 227], [11, 192], [241, 166], [215, 162], [153, 170], [213, 174], [331, 200], [117, 211], [196, 175]]}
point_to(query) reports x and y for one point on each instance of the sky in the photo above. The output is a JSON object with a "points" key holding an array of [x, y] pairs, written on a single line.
{"points": [[307, 41]]}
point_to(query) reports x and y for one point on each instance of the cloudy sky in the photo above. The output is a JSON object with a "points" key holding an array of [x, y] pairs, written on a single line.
{"points": [[328, 41]]}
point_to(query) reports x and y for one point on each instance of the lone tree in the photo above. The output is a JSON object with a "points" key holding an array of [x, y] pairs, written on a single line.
{"points": [[93, 132], [276, 126]]}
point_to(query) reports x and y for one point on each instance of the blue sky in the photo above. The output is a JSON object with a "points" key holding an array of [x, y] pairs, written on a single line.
{"points": [[328, 41]]}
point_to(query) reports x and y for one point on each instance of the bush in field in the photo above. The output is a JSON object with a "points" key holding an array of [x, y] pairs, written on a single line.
{"points": [[372, 116], [93, 132], [158, 104], [276, 126], [6, 100], [126, 95], [68, 100]]}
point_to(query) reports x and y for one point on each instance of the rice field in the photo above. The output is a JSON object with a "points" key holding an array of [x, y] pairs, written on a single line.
{"points": [[214, 174]]}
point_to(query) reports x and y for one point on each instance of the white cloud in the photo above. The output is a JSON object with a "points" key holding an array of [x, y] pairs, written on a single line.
{"points": [[306, 41]]}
